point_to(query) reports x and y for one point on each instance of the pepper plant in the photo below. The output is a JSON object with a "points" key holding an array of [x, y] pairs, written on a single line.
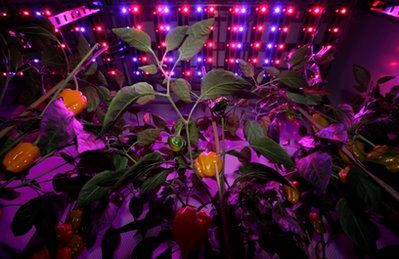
{"points": [[307, 177]]}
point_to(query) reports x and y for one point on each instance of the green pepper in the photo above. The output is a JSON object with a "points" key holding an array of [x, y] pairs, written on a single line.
{"points": [[176, 143], [386, 156]]}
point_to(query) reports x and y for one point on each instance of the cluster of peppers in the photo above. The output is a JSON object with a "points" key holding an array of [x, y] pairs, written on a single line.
{"points": [[70, 244], [24, 154]]}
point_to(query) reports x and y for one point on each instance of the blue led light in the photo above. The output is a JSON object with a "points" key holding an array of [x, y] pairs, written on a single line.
{"points": [[199, 9], [134, 59], [36, 60], [269, 46], [124, 10], [199, 59], [38, 13], [277, 10]]}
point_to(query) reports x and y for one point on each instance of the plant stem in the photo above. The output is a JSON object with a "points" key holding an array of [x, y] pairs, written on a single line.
{"points": [[365, 140], [186, 126], [4, 90], [71, 75], [346, 151]]}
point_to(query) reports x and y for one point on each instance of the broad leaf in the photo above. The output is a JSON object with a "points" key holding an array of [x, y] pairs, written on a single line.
{"points": [[246, 68], [316, 168], [303, 99], [198, 34], [292, 79], [151, 69], [362, 77], [220, 82], [266, 146], [260, 172], [141, 93], [384, 79], [154, 181], [334, 132], [96, 188], [182, 89], [120, 161], [175, 37], [135, 38], [298, 58], [93, 98], [148, 136], [361, 230], [142, 167], [271, 71], [364, 188]]}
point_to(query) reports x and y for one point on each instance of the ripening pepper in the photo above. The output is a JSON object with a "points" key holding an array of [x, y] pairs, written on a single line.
{"points": [[190, 228], [343, 174], [75, 218], [62, 253], [386, 156], [176, 143], [357, 149], [64, 233], [315, 220], [292, 193], [207, 163], [21, 157], [323, 122], [74, 100], [76, 244]]}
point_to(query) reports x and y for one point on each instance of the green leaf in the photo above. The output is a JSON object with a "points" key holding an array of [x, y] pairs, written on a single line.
{"points": [[148, 136], [83, 46], [91, 69], [299, 57], [303, 99], [360, 229], [266, 146], [146, 92], [175, 37], [292, 79], [362, 77], [110, 242], [142, 167], [384, 79], [151, 69], [135, 38], [119, 77], [141, 93], [96, 188], [155, 181], [220, 82], [272, 71], [24, 218], [93, 99], [261, 173], [364, 188], [246, 68], [194, 133], [198, 34], [120, 161], [182, 89]]}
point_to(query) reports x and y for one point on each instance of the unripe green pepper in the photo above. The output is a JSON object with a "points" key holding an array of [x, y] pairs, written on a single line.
{"points": [[386, 156], [176, 143]]}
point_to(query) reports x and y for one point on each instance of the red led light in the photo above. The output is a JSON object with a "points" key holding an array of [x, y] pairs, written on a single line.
{"points": [[290, 10], [21, 73], [281, 46], [163, 44], [135, 9], [210, 60], [263, 9], [335, 30], [99, 28], [254, 60], [108, 59], [285, 29], [4, 14], [47, 12], [212, 9], [112, 72], [104, 44], [159, 9], [210, 44], [310, 29], [188, 73], [139, 27], [236, 9], [145, 59], [343, 11], [260, 28], [185, 9], [317, 10], [257, 45], [56, 30], [26, 13], [63, 46], [277, 61], [235, 28]]}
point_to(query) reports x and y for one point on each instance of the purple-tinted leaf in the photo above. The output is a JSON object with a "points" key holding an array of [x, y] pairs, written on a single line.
{"points": [[345, 115], [335, 132], [88, 142], [307, 142], [316, 168], [57, 128]]}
